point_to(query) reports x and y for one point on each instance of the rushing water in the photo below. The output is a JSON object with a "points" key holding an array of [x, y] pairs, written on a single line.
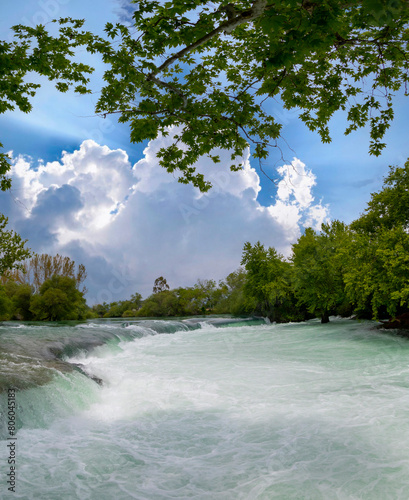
{"points": [[214, 410]]}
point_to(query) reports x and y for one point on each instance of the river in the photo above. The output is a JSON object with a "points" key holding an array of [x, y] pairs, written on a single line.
{"points": [[205, 408]]}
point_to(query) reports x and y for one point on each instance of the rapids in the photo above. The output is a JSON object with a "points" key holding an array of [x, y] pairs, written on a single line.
{"points": [[206, 408]]}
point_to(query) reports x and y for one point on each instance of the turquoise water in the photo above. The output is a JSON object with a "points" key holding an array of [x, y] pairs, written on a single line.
{"points": [[210, 410]]}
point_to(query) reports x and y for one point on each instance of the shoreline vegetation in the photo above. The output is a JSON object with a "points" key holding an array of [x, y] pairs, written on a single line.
{"points": [[360, 269]]}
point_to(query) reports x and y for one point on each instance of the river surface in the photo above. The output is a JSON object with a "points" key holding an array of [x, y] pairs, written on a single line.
{"points": [[206, 408]]}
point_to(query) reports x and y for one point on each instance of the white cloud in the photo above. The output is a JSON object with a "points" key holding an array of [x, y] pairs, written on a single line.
{"points": [[297, 183], [129, 225], [287, 215], [295, 201], [103, 177], [316, 215]]}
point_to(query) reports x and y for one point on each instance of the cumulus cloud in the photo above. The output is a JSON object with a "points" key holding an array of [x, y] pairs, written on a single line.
{"points": [[103, 178], [295, 202], [131, 224]]}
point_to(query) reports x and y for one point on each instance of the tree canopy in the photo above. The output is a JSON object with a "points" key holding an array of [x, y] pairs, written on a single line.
{"points": [[44, 287], [378, 269], [376, 278], [318, 269], [41, 267], [12, 248], [160, 285], [390, 206], [209, 69], [267, 281], [58, 299]]}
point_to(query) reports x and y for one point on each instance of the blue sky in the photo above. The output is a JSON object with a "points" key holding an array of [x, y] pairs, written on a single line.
{"points": [[106, 203]]}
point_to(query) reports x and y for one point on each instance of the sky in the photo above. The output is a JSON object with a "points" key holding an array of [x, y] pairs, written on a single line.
{"points": [[81, 189]]}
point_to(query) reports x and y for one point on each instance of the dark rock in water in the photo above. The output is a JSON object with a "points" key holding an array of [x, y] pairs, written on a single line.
{"points": [[98, 380], [401, 321], [80, 368]]}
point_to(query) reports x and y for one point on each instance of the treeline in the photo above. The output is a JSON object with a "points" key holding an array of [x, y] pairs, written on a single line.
{"points": [[361, 269], [205, 297], [44, 288], [118, 309]]}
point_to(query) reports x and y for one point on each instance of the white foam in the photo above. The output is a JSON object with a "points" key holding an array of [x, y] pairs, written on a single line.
{"points": [[272, 412]]}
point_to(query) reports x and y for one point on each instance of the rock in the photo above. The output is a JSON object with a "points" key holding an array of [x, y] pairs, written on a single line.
{"points": [[401, 321]]}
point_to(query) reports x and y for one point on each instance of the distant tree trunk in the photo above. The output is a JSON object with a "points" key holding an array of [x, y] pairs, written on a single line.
{"points": [[325, 317]]}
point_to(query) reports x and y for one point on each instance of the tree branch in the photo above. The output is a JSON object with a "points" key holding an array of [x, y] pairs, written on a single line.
{"points": [[228, 26], [152, 78]]}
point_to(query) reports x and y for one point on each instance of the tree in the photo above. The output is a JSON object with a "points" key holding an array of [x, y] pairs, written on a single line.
{"points": [[232, 298], [160, 285], [58, 299], [376, 279], [12, 248], [100, 309], [206, 68], [319, 269], [161, 304], [135, 300], [122, 308], [191, 301], [5, 305], [227, 58], [208, 294], [132, 305], [389, 208], [268, 281], [20, 297], [41, 267], [5, 182]]}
